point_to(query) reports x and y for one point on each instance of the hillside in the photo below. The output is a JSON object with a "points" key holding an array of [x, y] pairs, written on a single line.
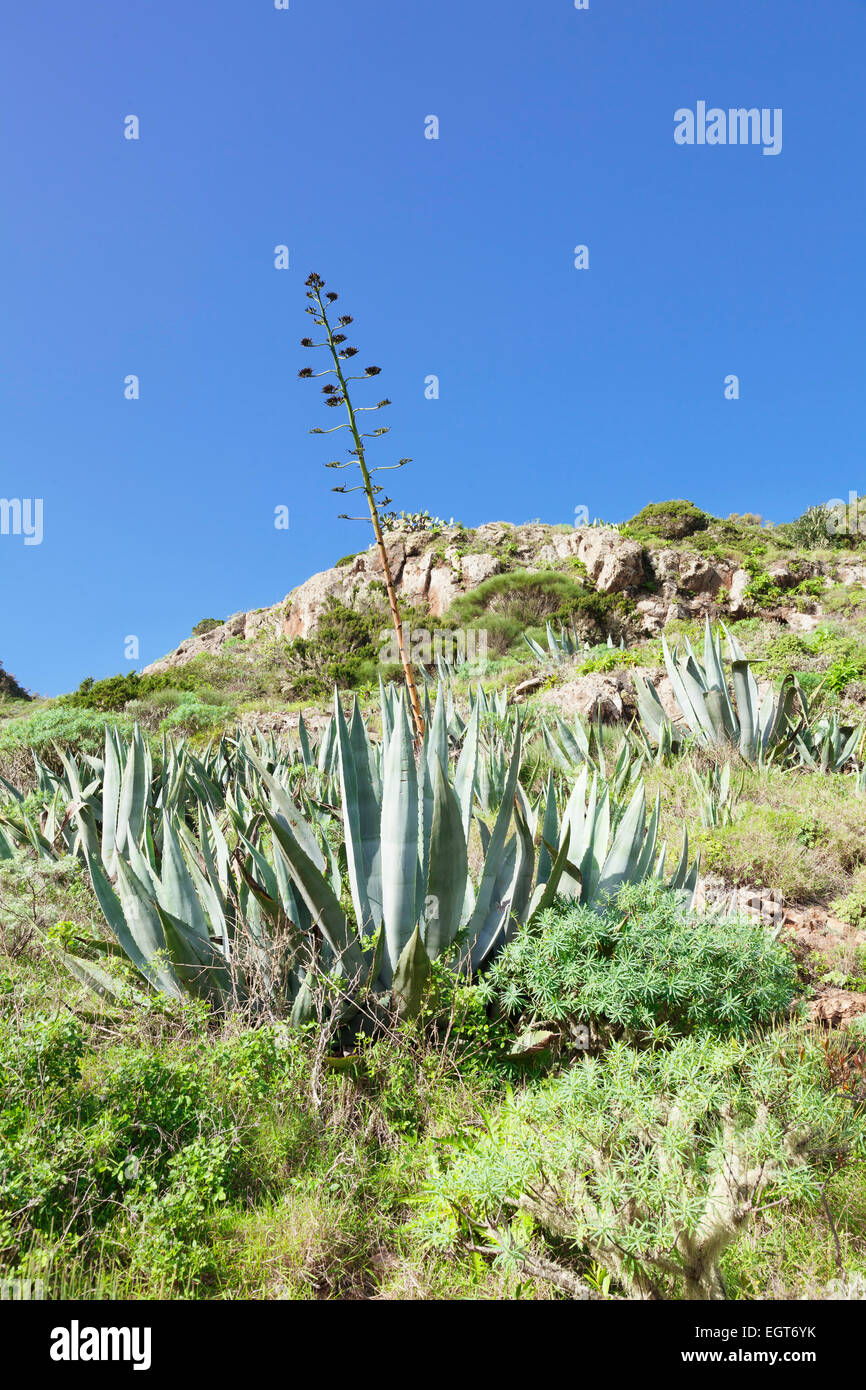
{"points": [[266, 959], [667, 566]]}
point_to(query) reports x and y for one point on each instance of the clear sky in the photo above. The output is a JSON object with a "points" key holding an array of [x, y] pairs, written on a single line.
{"points": [[559, 387]]}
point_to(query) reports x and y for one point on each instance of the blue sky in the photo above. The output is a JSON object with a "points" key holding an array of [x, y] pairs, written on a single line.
{"points": [[558, 387]]}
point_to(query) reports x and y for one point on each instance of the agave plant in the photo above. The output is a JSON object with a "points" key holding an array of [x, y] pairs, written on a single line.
{"points": [[828, 745], [225, 875], [715, 797], [599, 844], [564, 646], [710, 715], [406, 836]]}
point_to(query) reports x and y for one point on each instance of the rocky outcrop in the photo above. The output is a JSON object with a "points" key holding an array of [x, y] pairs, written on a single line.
{"points": [[590, 696], [431, 570], [613, 563], [737, 602]]}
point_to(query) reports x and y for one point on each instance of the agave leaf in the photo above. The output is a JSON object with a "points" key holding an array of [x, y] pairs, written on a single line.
{"points": [[399, 840], [621, 862], [643, 868], [361, 824], [546, 892], [176, 891], [650, 707], [509, 895], [288, 812], [596, 837], [574, 742], [321, 901], [549, 832], [134, 920], [745, 691], [304, 741], [494, 854], [449, 868], [557, 754], [467, 768], [411, 975], [196, 961], [98, 980]]}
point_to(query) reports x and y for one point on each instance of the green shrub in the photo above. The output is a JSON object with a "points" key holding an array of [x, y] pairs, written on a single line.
{"points": [[851, 908], [646, 966], [644, 1167], [9, 687], [813, 530], [115, 692], [207, 625], [131, 1146], [342, 651], [668, 521], [44, 1053], [192, 716], [507, 604], [82, 730]]}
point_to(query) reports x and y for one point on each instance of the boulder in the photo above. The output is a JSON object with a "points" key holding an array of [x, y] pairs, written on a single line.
{"points": [[653, 614], [665, 565], [590, 696], [613, 562], [308, 601], [835, 1008], [415, 580], [442, 589], [738, 605], [698, 576], [474, 569]]}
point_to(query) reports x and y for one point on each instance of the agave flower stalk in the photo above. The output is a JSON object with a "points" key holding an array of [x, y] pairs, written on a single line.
{"points": [[337, 395]]}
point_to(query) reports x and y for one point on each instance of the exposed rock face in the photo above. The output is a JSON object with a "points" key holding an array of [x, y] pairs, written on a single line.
{"points": [[835, 1008], [787, 573], [474, 569], [432, 570], [663, 688], [698, 576], [613, 562], [243, 625], [590, 696], [737, 603]]}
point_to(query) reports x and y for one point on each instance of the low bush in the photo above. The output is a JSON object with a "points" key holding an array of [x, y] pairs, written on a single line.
{"points": [[668, 521], [634, 1173], [9, 687], [507, 604], [80, 729], [644, 967], [115, 692]]}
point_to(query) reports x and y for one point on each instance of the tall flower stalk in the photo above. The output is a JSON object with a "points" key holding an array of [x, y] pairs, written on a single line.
{"points": [[337, 394]]}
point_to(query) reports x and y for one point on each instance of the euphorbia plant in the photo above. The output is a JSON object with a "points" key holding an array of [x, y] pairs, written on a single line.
{"points": [[337, 394]]}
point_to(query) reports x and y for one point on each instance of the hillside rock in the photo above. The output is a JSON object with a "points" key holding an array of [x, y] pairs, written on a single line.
{"points": [[613, 562], [9, 686], [737, 602], [432, 569], [590, 696]]}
